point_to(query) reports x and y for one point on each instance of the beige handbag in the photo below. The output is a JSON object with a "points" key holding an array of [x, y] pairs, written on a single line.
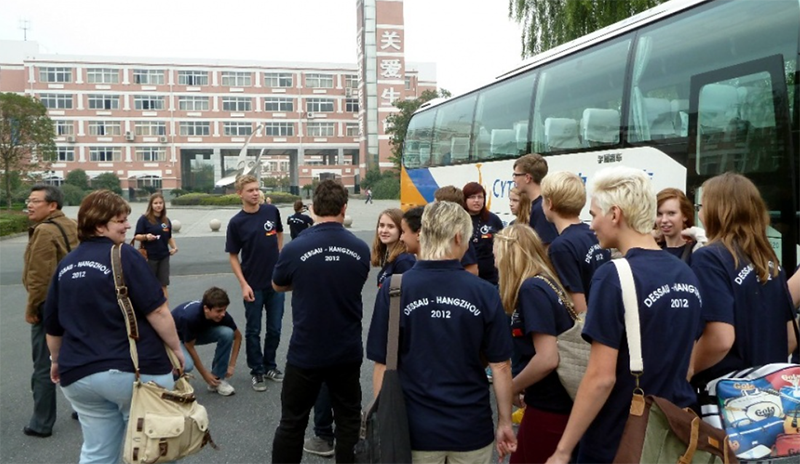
{"points": [[164, 425], [573, 350]]}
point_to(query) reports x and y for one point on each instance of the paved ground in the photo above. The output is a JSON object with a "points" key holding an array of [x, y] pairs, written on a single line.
{"points": [[243, 424]]}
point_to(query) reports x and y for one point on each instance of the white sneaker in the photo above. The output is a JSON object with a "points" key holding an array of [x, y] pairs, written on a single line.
{"points": [[224, 388]]}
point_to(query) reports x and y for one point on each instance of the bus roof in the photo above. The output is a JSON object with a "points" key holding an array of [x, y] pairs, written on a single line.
{"points": [[638, 20]]}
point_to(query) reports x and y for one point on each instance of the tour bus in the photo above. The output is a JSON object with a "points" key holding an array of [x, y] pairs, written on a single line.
{"points": [[684, 91]]}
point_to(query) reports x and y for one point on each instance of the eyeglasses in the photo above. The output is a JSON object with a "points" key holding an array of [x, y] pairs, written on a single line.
{"points": [[34, 201], [517, 174], [475, 197], [697, 207], [119, 221]]}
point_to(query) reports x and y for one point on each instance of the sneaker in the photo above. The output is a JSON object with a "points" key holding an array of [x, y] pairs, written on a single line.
{"points": [[489, 374], [258, 383], [318, 446], [275, 375], [224, 388]]}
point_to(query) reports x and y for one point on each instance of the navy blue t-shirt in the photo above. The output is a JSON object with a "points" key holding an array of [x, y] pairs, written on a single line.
{"points": [[539, 310], [402, 263], [669, 316], [326, 266], [470, 257], [156, 249], [81, 307], [298, 222], [449, 317], [546, 230], [483, 240], [256, 236], [736, 296], [576, 255], [678, 252], [190, 320]]}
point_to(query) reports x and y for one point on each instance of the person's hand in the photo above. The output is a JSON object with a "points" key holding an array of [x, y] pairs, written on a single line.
{"points": [[559, 457], [518, 400], [181, 361], [54, 376], [247, 293], [231, 368], [211, 379], [150, 237], [173, 251], [506, 440], [32, 319]]}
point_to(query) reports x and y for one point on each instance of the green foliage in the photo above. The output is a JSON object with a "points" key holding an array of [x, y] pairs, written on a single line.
{"points": [[388, 188], [109, 181], [78, 178], [308, 188], [26, 137], [549, 23], [18, 195], [73, 195], [205, 199], [178, 192], [13, 223], [398, 122]]}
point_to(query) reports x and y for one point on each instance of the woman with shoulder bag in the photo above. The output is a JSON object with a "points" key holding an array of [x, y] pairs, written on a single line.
{"points": [[747, 316], [154, 231], [86, 329], [540, 311]]}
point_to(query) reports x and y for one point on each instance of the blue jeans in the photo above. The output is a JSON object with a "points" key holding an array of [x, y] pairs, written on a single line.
{"points": [[272, 302], [222, 335], [103, 404]]}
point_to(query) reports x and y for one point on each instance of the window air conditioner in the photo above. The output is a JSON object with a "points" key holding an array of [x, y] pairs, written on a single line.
{"points": [[162, 139], [311, 115], [348, 92], [71, 138], [129, 136]]}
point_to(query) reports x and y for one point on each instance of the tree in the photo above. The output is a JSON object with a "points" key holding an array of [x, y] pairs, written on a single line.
{"points": [[78, 178], [109, 181], [398, 122], [549, 23], [26, 137]]}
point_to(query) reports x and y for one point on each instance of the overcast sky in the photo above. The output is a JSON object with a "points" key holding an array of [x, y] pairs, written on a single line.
{"points": [[469, 44]]}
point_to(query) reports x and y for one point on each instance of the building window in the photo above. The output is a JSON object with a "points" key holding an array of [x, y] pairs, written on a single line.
{"points": [[237, 79], [55, 75], [320, 81], [351, 81], [237, 104], [277, 79], [151, 154], [64, 154], [279, 129], [102, 76], [193, 103], [319, 105], [56, 101], [408, 82], [148, 102], [192, 77], [351, 129], [105, 128], [103, 102], [65, 128], [351, 105], [148, 76], [150, 128], [104, 154], [278, 104], [195, 128], [320, 129], [238, 128], [148, 182]]}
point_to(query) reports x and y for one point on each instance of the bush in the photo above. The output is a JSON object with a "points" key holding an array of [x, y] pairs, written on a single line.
{"points": [[72, 195], [388, 188], [13, 223], [178, 192], [107, 180], [206, 199]]}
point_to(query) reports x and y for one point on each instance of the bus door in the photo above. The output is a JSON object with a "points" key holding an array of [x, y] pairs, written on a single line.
{"points": [[739, 121]]}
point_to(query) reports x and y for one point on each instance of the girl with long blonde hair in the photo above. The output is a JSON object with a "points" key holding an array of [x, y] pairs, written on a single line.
{"points": [[388, 252], [540, 310]]}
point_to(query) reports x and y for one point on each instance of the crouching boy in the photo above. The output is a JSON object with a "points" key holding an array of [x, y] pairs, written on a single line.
{"points": [[204, 322]]}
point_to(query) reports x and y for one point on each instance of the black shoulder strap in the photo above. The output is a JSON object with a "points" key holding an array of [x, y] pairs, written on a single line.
{"points": [[687, 252], [63, 233], [393, 337]]}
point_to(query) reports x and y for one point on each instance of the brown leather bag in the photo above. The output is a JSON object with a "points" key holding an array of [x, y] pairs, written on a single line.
{"points": [[141, 248]]}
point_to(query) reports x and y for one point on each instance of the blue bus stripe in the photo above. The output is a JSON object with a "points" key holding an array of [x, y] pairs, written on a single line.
{"points": [[424, 182]]}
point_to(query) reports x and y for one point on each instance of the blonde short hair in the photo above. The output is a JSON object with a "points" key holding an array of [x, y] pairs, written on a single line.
{"points": [[631, 191], [566, 192], [441, 222], [244, 180]]}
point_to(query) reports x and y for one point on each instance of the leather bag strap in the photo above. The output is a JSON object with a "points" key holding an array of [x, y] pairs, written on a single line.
{"points": [[631, 303], [63, 233], [393, 338], [125, 305]]}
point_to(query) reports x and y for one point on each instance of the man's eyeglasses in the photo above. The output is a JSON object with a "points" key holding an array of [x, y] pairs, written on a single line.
{"points": [[517, 174], [119, 221], [698, 207], [34, 201]]}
